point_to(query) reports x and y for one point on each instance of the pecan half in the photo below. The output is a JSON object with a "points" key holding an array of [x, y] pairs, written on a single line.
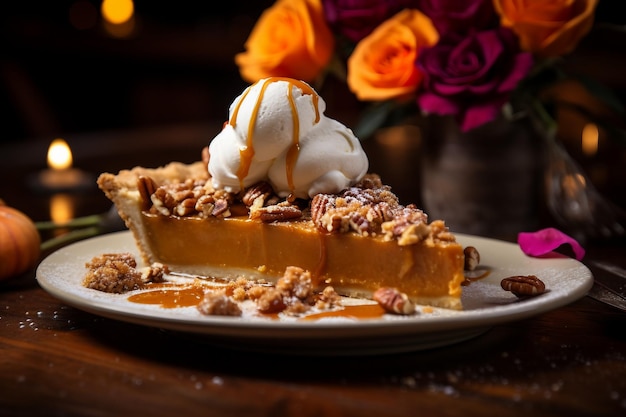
{"points": [[146, 187], [259, 190], [186, 207], [472, 258], [394, 301], [163, 202], [319, 205], [523, 285], [221, 208], [276, 213], [205, 204]]}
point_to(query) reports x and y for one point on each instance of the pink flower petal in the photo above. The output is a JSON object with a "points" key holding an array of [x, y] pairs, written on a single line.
{"points": [[544, 241]]}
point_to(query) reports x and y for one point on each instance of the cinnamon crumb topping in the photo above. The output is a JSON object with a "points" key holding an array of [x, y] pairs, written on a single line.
{"points": [[216, 303], [117, 273]]}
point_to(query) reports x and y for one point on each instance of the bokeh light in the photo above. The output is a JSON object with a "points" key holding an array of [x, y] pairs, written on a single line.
{"points": [[117, 12]]}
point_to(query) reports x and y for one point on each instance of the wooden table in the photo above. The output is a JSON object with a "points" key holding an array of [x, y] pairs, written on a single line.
{"points": [[56, 360]]}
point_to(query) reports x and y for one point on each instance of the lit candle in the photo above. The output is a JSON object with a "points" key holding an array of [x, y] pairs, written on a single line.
{"points": [[60, 175]]}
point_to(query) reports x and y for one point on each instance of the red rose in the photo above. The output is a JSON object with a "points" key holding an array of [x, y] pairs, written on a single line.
{"points": [[460, 16], [472, 77]]}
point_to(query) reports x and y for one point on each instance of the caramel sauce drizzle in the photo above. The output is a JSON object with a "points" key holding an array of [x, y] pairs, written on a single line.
{"points": [[246, 153], [363, 311], [476, 275], [321, 264]]}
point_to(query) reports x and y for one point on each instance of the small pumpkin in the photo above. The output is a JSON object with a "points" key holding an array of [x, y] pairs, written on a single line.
{"points": [[19, 242]]}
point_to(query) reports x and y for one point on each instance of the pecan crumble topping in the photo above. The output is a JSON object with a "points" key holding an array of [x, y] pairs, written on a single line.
{"points": [[367, 208], [394, 301]]}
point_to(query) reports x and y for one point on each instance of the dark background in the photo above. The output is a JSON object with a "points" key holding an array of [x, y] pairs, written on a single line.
{"points": [[177, 66], [60, 71], [63, 74]]}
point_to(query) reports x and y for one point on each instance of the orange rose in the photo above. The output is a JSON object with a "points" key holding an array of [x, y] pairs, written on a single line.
{"points": [[290, 39], [547, 28], [382, 65]]}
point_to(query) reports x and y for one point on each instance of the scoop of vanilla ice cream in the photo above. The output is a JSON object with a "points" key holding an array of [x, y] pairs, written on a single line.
{"points": [[225, 159], [329, 157]]}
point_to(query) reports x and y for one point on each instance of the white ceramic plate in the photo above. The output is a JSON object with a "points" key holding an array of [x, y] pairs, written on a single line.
{"points": [[485, 304]]}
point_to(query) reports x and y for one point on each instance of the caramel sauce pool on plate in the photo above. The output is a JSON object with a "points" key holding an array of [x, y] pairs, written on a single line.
{"points": [[171, 297], [189, 296]]}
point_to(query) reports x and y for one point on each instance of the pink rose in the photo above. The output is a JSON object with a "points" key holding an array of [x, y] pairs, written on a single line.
{"points": [[355, 19], [472, 76]]}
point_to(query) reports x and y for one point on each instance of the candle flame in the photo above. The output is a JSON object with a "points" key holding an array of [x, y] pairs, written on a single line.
{"points": [[590, 137], [59, 155]]}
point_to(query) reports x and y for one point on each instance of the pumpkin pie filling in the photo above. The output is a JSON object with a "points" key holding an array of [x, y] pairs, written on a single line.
{"points": [[352, 264]]}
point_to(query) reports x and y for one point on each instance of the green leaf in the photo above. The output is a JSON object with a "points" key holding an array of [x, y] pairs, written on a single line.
{"points": [[384, 114], [373, 118]]}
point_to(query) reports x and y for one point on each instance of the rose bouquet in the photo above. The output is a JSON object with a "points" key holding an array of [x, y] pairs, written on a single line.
{"points": [[469, 59], [474, 61]]}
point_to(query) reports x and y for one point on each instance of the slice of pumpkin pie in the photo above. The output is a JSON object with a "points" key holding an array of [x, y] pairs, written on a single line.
{"points": [[283, 185]]}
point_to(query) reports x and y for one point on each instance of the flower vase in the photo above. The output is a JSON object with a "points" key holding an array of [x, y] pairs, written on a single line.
{"points": [[486, 181]]}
